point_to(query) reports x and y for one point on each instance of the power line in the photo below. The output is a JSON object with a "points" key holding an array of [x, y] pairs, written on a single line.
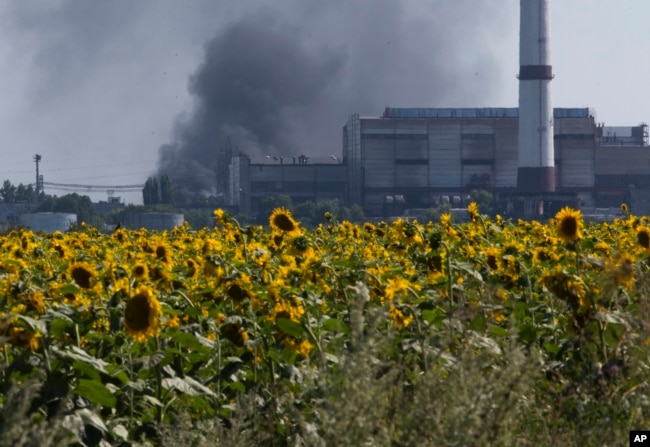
{"points": [[91, 188]]}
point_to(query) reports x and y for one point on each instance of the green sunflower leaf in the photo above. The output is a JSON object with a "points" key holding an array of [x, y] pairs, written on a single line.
{"points": [[96, 392], [290, 327]]}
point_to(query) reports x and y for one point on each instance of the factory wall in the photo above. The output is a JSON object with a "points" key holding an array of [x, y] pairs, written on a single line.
{"points": [[302, 182], [415, 155], [414, 158], [618, 170], [575, 143]]}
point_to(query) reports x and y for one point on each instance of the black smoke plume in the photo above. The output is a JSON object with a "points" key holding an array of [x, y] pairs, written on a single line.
{"points": [[284, 82], [255, 78]]}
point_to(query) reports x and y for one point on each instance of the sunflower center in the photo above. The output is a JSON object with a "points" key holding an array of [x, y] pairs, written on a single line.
{"points": [[643, 238], [137, 313], [569, 227], [161, 253], [435, 263], [492, 262], [236, 292], [284, 222], [542, 256], [233, 333], [82, 277]]}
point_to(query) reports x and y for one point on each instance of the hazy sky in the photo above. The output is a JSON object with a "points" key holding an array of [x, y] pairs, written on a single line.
{"points": [[99, 87]]}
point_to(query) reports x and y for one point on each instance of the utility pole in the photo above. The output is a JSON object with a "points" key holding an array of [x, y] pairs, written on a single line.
{"points": [[39, 178]]}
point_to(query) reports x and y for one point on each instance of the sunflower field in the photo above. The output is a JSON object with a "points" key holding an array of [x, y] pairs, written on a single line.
{"points": [[489, 332]]}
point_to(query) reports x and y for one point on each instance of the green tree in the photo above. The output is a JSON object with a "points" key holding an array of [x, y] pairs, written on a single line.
{"points": [[8, 192], [150, 194], [21, 193], [166, 190], [353, 214], [310, 214], [82, 206], [26, 193]]}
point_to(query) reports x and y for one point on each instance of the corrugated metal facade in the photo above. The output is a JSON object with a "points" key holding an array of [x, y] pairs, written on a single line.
{"points": [[421, 152], [477, 153], [506, 143], [352, 158], [608, 161], [575, 141], [444, 153]]}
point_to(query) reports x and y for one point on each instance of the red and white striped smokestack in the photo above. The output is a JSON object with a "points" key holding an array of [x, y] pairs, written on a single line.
{"points": [[536, 167]]}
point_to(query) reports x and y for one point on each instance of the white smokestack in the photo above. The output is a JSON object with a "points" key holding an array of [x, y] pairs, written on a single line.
{"points": [[536, 167]]}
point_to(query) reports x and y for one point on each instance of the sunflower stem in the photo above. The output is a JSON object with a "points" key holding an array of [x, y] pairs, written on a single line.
{"points": [[219, 365], [46, 356], [130, 391], [158, 370], [310, 332], [603, 348], [450, 290], [76, 334]]}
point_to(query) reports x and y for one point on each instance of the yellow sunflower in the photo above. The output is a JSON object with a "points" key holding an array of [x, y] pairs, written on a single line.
{"points": [[300, 347], [238, 289], [399, 320], [140, 271], [643, 237], [493, 258], [164, 254], [284, 309], [281, 220], [83, 274], [623, 269], [472, 209], [569, 224], [235, 333], [220, 216], [36, 301], [142, 314], [120, 235], [192, 268]]}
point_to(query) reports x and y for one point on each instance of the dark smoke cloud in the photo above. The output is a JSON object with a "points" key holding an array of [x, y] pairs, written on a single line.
{"points": [[255, 78], [283, 82]]}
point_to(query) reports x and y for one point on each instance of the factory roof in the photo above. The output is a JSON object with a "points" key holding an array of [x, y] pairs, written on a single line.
{"points": [[486, 112], [295, 160]]}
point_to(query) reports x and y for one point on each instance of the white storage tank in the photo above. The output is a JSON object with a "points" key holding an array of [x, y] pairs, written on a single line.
{"points": [[48, 222]]}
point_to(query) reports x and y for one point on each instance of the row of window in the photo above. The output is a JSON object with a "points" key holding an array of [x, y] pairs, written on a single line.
{"points": [[469, 136], [298, 186]]}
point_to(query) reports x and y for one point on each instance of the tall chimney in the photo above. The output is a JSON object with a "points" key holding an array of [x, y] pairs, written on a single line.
{"points": [[536, 166]]}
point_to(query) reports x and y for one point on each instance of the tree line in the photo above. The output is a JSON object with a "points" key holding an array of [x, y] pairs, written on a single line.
{"points": [[10, 193], [155, 193]]}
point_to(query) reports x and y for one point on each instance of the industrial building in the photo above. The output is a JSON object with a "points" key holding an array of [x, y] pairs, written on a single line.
{"points": [[302, 178], [418, 157], [423, 154], [533, 158]]}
